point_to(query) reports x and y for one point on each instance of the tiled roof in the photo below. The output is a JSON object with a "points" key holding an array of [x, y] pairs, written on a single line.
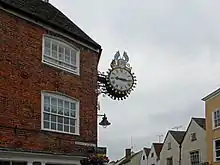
{"points": [[147, 151], [158, 148], [178, 135], [48, 14], [200, 122]]}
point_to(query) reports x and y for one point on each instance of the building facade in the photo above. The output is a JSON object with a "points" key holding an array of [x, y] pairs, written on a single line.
{"points": [[154, 154], [48, 79], [194, 148], [144, 156], [212, 111], [171, 150]]}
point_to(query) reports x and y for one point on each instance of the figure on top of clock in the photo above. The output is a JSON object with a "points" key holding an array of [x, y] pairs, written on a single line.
{"points": [[119, 80]]}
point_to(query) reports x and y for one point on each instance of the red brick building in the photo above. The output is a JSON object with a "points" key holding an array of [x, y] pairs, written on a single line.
{"points": [[48, 81]]}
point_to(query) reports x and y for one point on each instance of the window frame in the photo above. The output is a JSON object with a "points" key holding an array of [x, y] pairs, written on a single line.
{"points": [[213, 119], [152, 155], [193, 138], [214, 150], [66, 44], [65, 98], [192, 152], [170, 159], [169, 147]]}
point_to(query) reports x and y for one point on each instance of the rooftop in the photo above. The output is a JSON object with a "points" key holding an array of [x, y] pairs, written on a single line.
{"points": [[46, 13]]}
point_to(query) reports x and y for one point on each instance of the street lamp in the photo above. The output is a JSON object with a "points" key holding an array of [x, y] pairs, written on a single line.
{"points": [[104, 121]]}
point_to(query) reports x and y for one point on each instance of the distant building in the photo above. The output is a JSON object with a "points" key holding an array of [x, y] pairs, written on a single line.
{"points": [[144, 157], [171, 150], [130, 158], [212, 111], [154, 154], [194, 147]]}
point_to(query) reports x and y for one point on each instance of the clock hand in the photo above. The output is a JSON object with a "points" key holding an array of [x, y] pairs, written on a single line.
{"points": [[122, 79]]}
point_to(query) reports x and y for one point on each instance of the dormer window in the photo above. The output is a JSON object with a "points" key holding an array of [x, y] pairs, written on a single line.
{"points": [[193, 136], [60, 55]]}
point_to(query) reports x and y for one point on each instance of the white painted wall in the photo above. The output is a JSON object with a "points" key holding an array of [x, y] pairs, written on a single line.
{"points": [[143, 162], [173, 152], [154, 159], [199, 144]]}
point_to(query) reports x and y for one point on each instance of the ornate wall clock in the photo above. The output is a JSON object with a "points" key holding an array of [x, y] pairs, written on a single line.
{"points": [[119, 80]]}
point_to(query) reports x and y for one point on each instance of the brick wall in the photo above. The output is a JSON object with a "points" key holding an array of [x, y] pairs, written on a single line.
{"points": [[23, 76]]}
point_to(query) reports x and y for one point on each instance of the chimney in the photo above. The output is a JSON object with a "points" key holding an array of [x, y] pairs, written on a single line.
{"points": [[127, 153]]}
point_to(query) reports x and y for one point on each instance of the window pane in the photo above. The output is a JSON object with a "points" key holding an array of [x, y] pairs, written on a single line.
{"points": [[66, 105], [217, 144], [60, 103], [72, 129], [47, 47], [66, 120], [54, 50], [216, 123], [60, 119], [60, 110], [47, 108], [73, 106], [66, 112], [61, 53], [73, 113], [54, 109], [53, 126], [46, 124], [53, 118], [66, 128], [46, 100], [73, 57], [46, 117], [217, 153], [72, 122], [54, 101], [60, 127], [67, 55]]}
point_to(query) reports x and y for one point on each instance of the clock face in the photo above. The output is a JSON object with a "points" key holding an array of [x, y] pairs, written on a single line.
{"points": [[121, 79]]}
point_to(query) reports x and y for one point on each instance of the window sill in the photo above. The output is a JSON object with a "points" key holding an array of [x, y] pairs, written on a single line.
{"points": [[61, 68], [60, 132]]}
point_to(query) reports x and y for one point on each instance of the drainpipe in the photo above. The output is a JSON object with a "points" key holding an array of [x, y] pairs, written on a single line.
{"points": [[180, 148]]}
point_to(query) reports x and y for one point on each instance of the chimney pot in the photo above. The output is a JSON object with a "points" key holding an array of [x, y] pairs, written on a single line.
{"points": [[127, 153]]}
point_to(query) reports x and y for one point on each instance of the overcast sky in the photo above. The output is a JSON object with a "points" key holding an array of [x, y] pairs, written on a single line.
{"points": [[174, 49]]}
